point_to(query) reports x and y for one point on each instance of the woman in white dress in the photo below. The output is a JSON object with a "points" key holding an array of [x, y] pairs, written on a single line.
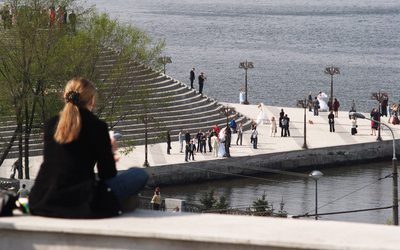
{"points": [[262, 115], [323, 106], [221, 149]]}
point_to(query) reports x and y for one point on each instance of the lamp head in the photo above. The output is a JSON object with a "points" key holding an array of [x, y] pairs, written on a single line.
{"points": [[316, 174]]}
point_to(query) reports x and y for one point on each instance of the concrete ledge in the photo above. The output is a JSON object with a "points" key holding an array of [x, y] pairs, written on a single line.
{"points": [[158, 230], [309, 159]]}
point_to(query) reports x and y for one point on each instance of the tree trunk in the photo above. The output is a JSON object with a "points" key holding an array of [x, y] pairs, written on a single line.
{"points": [[20, 149], [9, 146]]}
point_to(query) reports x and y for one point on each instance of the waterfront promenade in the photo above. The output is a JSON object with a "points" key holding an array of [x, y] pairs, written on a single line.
{"points": [[318, 137]]}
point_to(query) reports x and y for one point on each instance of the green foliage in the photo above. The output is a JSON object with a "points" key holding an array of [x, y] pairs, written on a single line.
{"points": [[262, 207], [36, 61], [210, 203], [282, 212]]}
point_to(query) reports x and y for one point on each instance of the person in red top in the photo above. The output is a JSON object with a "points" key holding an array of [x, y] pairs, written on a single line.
{"points": [[52, 16], [336, 106]]}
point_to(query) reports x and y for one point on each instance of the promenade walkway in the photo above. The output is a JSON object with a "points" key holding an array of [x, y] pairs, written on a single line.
{"points": [[318, 136]]}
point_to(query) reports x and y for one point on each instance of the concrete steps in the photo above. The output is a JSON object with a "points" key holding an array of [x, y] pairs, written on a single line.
{"points": [[174, 106]]}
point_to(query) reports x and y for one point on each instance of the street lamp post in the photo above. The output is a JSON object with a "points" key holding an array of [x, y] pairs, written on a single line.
{"points": [[394, 169], [145, 120], [246, 65], [303, 104], [315, 175], [164, 60], [331, 71]]}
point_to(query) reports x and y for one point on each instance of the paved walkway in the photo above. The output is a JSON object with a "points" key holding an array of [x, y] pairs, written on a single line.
{"points": [[318, 136]]}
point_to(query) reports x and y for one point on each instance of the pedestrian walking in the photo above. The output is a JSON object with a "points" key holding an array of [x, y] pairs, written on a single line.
{"points": [[156, 200], [336, 106], [168, 142], [192, 77], [240, 134], [375, 116], [181, 139], [203, 140], [285, 125], [228, 136], [331, 119], [384, 106], [202, 79], [281, 116], [273, 126], [23, 192], [316, 106], [192, 149], [198, 138], [209, 135], [254, 137], [353, 125], [187, 137], [214, 142], [310, 102]]}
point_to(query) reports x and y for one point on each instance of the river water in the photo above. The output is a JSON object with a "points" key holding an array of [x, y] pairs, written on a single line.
{"points": [[289, 41], [340, 189]]}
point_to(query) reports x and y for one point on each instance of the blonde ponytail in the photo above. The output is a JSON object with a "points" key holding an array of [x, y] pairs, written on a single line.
{"points": [[78, 93]]}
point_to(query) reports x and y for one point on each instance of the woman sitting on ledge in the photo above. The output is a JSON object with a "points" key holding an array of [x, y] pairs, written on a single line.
{"points": [[74, 142]]}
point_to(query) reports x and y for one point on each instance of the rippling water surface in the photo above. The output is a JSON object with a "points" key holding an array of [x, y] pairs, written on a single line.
{"points": [[290, 43], [340, 189]]}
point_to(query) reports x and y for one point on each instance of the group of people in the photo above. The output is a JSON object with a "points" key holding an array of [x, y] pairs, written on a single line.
{"points": [[216, 139], [201, 78], [57, 16], [319, 104]]}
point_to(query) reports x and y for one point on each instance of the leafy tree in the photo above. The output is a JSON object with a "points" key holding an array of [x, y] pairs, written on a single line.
{"points": [[36, 61], [210, 203], [281, 212]]}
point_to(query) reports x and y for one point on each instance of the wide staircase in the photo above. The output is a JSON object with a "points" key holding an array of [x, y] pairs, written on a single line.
{"points": [[173, 106]]}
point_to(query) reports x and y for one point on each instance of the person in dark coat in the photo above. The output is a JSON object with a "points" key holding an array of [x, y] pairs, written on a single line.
{"points": [[75, 141], [168, 143], [331, 119], [281, 115], [202, 78], [285, 125], [316, 106], [192, 77], [336, 106], [187, 137], [384, 105]]}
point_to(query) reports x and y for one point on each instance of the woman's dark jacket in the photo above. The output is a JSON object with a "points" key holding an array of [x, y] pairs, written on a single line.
{"points": [[66, 185]]}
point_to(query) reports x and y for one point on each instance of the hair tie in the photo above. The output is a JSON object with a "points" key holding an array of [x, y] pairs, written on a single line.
{"points": [[72, 97]]}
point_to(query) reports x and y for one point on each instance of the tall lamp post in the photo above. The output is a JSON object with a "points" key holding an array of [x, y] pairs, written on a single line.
{"points": [[379, 96], [145, 119], [315, 175], [164, 60], [303, 104], [246, 65], [394, 169], [331, 71]]}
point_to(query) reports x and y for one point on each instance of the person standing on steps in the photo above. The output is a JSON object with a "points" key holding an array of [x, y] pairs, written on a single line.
{"points": [[202, 78], [209, 135], [192, 77], [331, 118]]}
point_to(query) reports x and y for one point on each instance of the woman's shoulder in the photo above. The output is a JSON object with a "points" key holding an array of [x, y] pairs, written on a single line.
{"points": [[92, 119]]}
